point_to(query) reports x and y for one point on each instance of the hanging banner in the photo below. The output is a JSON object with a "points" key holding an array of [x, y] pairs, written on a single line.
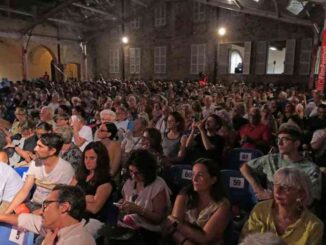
{"points": [[322, 67]]}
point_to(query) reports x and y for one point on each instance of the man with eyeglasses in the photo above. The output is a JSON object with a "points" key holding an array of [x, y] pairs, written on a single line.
{"points": [[45, 172], [60, 221], [288, 142]]}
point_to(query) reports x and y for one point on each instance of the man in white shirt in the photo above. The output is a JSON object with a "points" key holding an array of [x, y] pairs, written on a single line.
{"points": [[10, 184], [161, 124], [60, 221], [209, 107], [122, 121], [132, 139], [45, 172], [83, 134]]}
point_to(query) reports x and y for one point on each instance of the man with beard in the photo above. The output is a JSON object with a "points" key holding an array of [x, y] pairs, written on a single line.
{"points": [[60, 221], [254, 134], [45, 172]]}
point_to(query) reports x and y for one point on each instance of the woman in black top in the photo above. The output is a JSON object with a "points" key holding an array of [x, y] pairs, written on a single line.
{"points": [[94, 178]]}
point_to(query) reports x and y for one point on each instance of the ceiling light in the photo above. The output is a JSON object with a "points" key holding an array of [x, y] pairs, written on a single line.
{"points": [[221, 31], [125, 40]]}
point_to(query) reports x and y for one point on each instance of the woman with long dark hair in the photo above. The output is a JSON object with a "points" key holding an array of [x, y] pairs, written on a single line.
{"points": [[93, 176], [174, 142], [201, 211]]}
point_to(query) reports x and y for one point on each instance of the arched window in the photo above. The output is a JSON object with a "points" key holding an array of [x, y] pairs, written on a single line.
{"points": [[235, 65]]}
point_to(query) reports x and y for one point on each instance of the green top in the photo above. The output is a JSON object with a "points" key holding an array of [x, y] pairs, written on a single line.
{"points": [[270, 163]]}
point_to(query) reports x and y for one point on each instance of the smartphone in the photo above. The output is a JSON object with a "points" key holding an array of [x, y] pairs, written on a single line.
{"points": [[117, 204], [73, 118]]}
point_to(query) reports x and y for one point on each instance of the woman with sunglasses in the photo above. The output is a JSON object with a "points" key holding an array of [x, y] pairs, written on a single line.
{"points": [[286, 215], [145, 199], [94, 178]]}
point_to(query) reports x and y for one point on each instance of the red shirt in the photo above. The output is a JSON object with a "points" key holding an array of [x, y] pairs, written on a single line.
{"points": [[257, 132]]}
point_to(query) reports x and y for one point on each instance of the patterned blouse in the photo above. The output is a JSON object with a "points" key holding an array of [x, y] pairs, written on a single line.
{"points": [[74, 156]]}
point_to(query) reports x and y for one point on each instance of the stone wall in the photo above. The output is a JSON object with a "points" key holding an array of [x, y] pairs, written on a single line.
{"points": [[42, 47], [180, 32]]}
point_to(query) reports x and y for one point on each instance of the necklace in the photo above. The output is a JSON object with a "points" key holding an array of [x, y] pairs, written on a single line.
{"points": [[282, 223]]}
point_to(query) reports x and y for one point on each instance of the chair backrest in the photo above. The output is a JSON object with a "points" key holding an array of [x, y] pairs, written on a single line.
{"points": [[10, 235], [21, 171], [110, 211], [177, 177], [239, 191], [180, 175], [238, 156]]}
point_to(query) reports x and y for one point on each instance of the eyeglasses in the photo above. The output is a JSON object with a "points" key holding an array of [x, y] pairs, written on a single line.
{"points": [[135, 173], [46, 203], [284, 140], [284, 188]]}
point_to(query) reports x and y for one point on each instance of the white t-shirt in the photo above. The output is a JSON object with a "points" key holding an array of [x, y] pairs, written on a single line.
{"points": [[10, 182], [122, 124], [131, 143], [86, 133], [45, 182]]}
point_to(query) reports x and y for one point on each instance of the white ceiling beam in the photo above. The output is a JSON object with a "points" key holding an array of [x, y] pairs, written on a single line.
{"points": [[94, 10], [236, 2], [66, 22], [53, 11], [258, 12]]}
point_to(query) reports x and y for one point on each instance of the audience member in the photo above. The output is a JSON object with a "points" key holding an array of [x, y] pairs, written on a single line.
{"points": [[255, 134], [69, 151], [145, 199], [288, 141], [60, 221], [10, 184], [201, 212], [206, 142], [47, 170], [107, 133], [286, 215], [93, 176], [83, 134], [174, 142]]}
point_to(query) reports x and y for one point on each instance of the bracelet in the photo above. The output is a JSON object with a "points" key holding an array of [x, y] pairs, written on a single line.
{"points": [[183, 241]]}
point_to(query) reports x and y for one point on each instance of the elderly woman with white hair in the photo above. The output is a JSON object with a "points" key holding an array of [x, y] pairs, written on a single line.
{"points": [[286, 214]]}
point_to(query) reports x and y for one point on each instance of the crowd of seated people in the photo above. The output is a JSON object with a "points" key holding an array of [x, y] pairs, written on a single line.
{"points": [[120, 138]]}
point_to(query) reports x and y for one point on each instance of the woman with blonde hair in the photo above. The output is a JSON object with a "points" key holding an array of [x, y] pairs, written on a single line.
{"points": [[286, 215]]}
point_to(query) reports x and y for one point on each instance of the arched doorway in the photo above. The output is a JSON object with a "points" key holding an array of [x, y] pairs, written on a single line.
{"points": [[72, 71], [40, 61], [10, 61]]}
